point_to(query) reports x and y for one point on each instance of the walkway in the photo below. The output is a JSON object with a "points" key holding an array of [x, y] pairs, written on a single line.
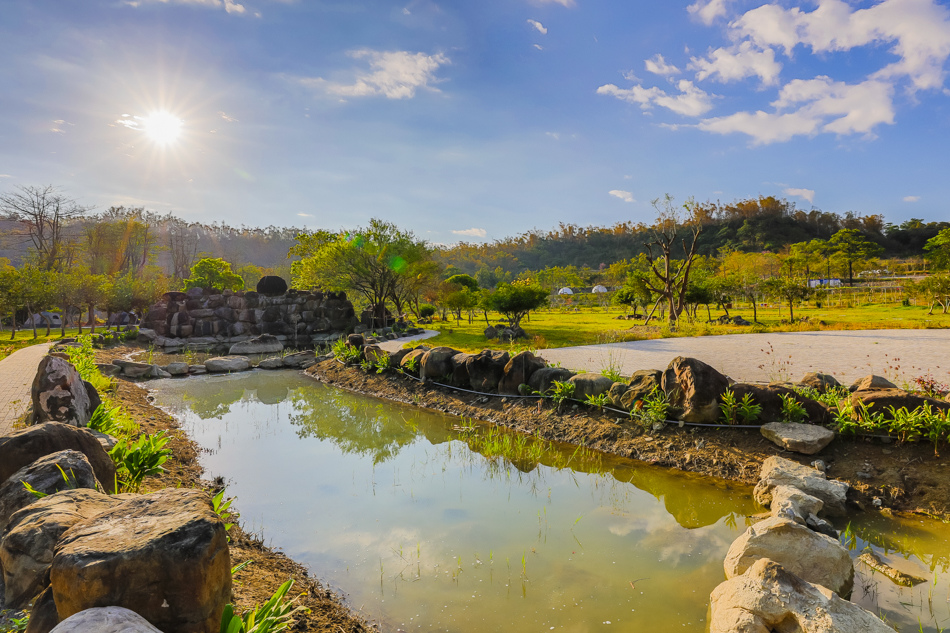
{"points": [[16, 377]]}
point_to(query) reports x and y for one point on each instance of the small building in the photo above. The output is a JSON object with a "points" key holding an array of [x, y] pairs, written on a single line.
{"points": [[831, 283], [599, 289], [565, 291]]}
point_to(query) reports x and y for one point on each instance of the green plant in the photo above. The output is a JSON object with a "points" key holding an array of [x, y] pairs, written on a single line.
{"points": [[382, 363], [749, 411], [220, 506], [39, 494], [561, 392], [729, 406], [83, 358], [599, 401], [15, 624], [347, 354], [412, 364], [273, 616], [792, 409], [652, 409], [137, 459]]}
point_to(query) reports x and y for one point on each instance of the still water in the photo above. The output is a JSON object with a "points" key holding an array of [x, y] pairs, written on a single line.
{"points": [[391, 505]]}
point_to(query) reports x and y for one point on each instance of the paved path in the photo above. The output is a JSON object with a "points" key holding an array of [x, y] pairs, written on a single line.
{"points": [[900, 355], [395, 346], [16, 377]]}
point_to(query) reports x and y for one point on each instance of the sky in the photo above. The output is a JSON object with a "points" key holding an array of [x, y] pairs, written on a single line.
{"points": [[476, 120]]}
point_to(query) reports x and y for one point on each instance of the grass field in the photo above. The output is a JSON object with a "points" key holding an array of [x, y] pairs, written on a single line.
{"points": [[24, 338], [552, 328]]}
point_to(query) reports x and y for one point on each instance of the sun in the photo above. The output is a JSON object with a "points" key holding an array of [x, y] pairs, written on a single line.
{"points": [[162, 127]]}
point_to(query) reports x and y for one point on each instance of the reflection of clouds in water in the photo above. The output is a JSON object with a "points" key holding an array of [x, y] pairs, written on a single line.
{"points": [[677, 546]]}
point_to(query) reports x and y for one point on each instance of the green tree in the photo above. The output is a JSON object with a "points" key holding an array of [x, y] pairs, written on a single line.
{"points": [[851, 246], [938, 250], [10, 293], [35, 293], [90, 291], [213, 272], [935, 289], [515, 300], [466, 281], [789, 289], [64, 294]]}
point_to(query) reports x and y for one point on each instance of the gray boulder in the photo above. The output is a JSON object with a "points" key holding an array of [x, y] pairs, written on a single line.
{"points": [[590, 385], [105, 620], [770, 399], [225, 364], [777, 471], [176, 369], [263, 344], [300, 360], [59, 394], [486, 369], [436, 363], [271, 363], [23, 447], [413, 358], [806, 439], [616, 393], [542, 379], [871, 382], [819, 381], [518, 371], [793, 504], [882, 400], [197, 370]]}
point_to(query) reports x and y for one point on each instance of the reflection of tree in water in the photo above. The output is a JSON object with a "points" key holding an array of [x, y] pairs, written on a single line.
{"points": [[924, 539], [212, 398], [361, 425]]}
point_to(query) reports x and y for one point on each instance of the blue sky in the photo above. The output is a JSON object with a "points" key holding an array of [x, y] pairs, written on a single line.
{"points": [[476, 120]]}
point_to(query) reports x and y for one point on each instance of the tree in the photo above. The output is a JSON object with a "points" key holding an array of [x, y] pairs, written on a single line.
{"points": [[64, 294], [935, 289], [515, 300], [182, 245], [671, 277], [10, 294], [851, 246], [789, 289], [213, 272], [34, 293], [43, 214], [90, 290], [938, 250], [466, 281], [121, 240]]}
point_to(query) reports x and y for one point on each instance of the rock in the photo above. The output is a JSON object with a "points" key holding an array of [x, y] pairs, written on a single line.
{"points": [[105, 620], [270, 285], [26, 550], [44, 475], [164, 554], [106, 441], [43, 616], [176, 369], [872, 560], [491, 333], [871, 382], [616, 393], [542, 379], [820, 382], [643, 382], [807, 439], [271, 363], [777, 471], [881, 400], [811, 556], [356, 340], [518, 371], [460, 376], [414, 357], [693, 388], [197, 370], [793, 504], [300, 360], [485, 369], [770, 598], [263, 344], [374, 353], [21, 448], [770, 399], [108, 369], [396, 357], [223, 364], [590, 385], [140, 370], [59, 395], [436, 363], [814, 522], [147, 334]]}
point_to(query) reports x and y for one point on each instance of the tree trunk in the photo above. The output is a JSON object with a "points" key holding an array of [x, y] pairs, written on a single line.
{"points": [[62, 322], [13, 324], [709, 314], [92, 319], [755, 311], [791, 311]]}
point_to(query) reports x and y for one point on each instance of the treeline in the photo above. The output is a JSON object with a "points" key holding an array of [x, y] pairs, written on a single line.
{"points": [[750, 226]]}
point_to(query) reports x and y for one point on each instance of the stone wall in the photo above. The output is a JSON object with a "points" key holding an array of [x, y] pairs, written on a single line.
{"points": [[301, 319]]}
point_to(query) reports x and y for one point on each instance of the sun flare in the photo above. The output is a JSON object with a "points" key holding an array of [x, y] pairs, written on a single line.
{"points": [[162, 127]]}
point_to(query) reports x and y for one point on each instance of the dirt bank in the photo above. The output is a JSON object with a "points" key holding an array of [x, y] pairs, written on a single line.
{"points": [[270, 568], [905, 478]]}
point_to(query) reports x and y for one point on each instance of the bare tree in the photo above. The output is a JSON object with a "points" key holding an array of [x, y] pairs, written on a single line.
{"points": [[44, 215], [671, 276], [183, 246]]}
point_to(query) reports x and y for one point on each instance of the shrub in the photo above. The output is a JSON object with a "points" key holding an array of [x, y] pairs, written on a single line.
{"points": [[273, 616], [426, 311], [792, 409], [138, 459]]}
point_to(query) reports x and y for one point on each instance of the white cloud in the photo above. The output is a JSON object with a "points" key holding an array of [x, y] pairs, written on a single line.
{"points": [[736, 63], [537, 25], [708, 10], [817, 105], [555, 135], [911, 198], [626, 196], [563, 3], [918, 29], [6, 176], [305, 215], [659, 66], [229, 5], [227, 117], [473, 232], [806, 194], [395, 75], [691, 101], [538, 46]]}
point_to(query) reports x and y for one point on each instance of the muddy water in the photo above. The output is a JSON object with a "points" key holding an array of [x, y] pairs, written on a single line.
{"points": [[391, 505]]}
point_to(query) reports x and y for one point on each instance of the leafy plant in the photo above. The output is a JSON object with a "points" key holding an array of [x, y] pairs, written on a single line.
{"points": [[137, 459], [83, 358], [347, 354], [729, 407], [15, 624], [599, 401], [412, 364], [273, 616], [382, 363], [749, 411], [39, 494], [792, 410], [220, 506], [652, 409], [560, 392]]}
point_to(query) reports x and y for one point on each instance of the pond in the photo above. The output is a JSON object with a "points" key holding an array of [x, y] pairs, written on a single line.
{"points": [[422, 523]]}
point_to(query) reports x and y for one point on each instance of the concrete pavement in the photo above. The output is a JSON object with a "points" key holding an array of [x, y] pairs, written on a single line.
{"points": [[16, 377]]}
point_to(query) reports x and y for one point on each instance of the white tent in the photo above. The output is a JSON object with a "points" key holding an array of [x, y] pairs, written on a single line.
{"points": [[599, 289], [565, 291]]}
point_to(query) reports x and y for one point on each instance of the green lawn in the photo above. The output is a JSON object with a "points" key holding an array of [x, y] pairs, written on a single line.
{"points": [[24, 338], [551, 328]]}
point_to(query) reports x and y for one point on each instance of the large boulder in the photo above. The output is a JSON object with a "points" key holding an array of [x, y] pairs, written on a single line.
{"points": [[271, 285], [486, 368], [616, 393], [43, 616], [263, 344], [59, 471], [769, 598], [518, 372], [26, 550], [881, 401], [224, 364], [806, 439], [871, 382], [142, 370], [693, 389], [777, 471], [590, 385], [809, 555], [21, 448], [105, 620], [460, 376], [164, 554], [819, 381], [59, 394], [793, 504], [374, 354], [770, 399], [412, 359], [643, 382], [437, 363], [542, 379], [300, 360]]}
